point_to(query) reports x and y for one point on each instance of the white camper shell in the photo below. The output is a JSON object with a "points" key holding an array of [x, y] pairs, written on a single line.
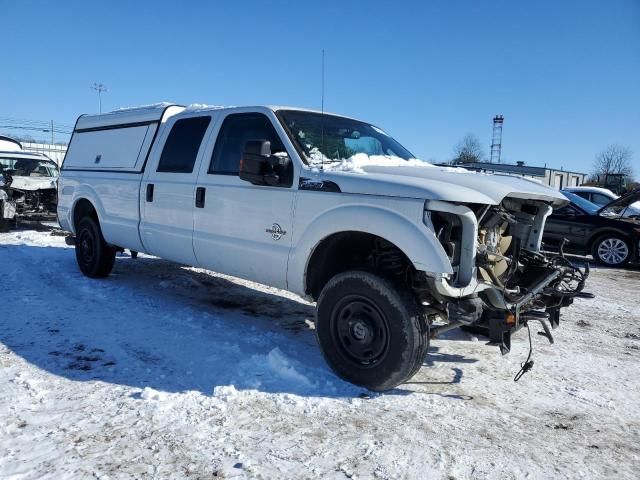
{"points": [[118, 141]]}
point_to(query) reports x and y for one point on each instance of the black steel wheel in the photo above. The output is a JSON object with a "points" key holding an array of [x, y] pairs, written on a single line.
{"points": [[370, 333], [94, 256], [360, 330]]}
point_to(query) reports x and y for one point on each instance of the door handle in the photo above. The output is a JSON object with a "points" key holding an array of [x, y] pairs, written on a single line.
{"points": [[149, 192], [200, 195]]}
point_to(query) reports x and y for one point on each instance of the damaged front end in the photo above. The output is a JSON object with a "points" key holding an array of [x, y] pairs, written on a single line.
{"points": [[21, 200], [501, 280]]}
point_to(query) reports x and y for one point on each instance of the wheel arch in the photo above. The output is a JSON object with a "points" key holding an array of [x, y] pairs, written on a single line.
{"points": [[415, 241], [83, 207]]}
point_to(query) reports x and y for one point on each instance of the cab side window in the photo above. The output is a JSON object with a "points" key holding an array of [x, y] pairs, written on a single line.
{"points": [[236, 129], [181, 148]]}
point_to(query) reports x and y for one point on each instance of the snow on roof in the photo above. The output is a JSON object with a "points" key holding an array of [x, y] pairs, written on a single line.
{"points": [[151, 106], [139, 114], [198, 107]]}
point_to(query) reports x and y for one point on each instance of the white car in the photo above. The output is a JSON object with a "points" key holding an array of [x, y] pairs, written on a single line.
{"points": [[393, 249], [603, 196], [28, 187]]}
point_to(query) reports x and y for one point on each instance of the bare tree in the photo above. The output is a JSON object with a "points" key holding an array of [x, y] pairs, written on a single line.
{"points": [[468, 150], [615, 159]]}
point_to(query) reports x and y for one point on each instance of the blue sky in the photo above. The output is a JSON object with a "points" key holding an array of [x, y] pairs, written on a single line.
{"points": [[565, 74]]}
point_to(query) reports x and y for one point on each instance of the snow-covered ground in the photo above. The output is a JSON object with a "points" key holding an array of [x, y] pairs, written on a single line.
{"points": [[163, 371]]}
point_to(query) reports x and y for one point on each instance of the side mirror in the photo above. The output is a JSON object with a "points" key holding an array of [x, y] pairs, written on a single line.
{"points": [[258, 166]]}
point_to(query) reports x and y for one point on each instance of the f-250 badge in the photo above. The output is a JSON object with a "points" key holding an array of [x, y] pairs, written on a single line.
{"points": [[276, 231]]}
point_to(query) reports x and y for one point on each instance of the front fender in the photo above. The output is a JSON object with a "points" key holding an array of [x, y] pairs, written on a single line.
{"points": [[405, 229]]}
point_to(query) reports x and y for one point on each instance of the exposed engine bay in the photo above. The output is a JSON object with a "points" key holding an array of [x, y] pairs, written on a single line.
{"points": [[502, 280]]}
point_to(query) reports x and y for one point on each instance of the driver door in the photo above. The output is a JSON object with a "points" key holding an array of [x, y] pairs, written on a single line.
{"points": [[242, 229]]}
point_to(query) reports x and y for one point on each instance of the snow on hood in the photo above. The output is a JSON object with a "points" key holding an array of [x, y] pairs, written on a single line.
{"points": [[414, 178], [357, 162], [33, 183]]}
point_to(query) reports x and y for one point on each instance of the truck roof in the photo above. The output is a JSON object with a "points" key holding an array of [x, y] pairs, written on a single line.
{"points": [[587, 188], [158, 112], [26, 155]]}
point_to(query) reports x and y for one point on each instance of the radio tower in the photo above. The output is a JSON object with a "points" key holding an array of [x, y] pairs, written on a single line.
{"points": [[496, 139]]}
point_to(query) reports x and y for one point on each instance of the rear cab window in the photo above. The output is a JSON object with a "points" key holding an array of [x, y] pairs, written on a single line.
{"points": [[181, 148]]}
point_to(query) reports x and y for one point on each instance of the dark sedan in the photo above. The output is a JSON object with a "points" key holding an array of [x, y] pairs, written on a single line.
{"points": [[605, 233]]}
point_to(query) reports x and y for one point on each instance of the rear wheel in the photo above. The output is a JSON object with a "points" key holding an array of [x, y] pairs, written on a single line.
{"points": [[95, 257], [612, 250], [370, 333]]}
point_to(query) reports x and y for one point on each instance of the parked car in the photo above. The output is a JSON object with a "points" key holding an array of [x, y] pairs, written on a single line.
{"points": [[602, 196], [393, 250], [28, 187], [604, 232]]}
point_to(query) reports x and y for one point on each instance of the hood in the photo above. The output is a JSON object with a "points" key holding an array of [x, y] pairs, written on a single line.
{"points": [[33, 183], [412, 180], [619, 205]]}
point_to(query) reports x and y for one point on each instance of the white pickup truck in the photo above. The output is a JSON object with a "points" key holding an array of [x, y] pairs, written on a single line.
{"points": [[394, 250]]}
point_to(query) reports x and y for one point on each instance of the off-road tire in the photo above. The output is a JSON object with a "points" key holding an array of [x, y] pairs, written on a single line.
{"points": [[95, 257], [370, 333], [608, 249]]}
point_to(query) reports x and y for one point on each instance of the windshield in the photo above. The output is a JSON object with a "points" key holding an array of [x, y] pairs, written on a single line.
{"points": [[329, 138], [624, 207], [585, 205], [27, 167]]}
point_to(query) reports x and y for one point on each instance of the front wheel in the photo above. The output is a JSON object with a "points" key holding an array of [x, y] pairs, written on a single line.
{"points": [[95, 257], [612, 250], [370, 333]]}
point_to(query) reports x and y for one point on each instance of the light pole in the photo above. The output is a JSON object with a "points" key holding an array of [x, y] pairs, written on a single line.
{"points": [[99, 87]]}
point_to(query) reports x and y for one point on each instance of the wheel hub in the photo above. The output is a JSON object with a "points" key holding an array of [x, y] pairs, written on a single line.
{"points": [[86, 247], [360, 331]]}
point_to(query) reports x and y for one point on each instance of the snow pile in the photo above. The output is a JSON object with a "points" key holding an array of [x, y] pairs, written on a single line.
{"points": [[225, 392], [282, 367]]}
